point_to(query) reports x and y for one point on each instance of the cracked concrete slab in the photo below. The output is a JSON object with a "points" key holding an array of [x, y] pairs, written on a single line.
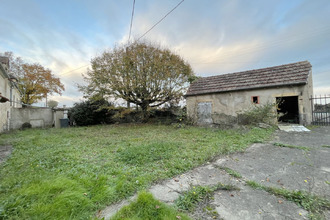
{"points": [[109, 211], [270, 165], [207, 175], [294, 169], [318, 137], [255, 204]]}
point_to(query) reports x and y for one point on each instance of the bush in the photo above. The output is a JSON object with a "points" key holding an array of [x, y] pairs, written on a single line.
{"points": [[99, 111], [258, 114], [92, 112], [126, 115]]}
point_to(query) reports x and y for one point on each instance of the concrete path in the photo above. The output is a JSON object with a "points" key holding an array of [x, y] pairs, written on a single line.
{"points": [[267, 164]]}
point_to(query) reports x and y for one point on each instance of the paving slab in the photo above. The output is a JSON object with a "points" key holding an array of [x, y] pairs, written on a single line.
{"points": [[111, 210], [255, 204], [293, 128], [270, 165], [318, 137], [206, 175], [294, 169]]}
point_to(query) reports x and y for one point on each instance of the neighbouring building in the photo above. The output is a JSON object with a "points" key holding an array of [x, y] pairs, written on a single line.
{"points": [[220, 99], [12, 115], [9, 94]]}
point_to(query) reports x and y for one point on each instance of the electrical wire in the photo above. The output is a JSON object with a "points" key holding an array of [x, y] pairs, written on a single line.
{"points": [[62, 74], [130, 28], [159, 21]]}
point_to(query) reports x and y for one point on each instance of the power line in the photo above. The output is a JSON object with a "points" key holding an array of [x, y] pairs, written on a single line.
{"points": [[160, 20], [62, 74], [130, 28]]}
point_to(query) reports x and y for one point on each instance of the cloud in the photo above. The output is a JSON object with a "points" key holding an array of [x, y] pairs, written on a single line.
{"points": [[216, 37], [66, 100]]}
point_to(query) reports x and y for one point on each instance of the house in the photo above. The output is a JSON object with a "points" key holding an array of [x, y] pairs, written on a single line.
{"points": [[219, 99], [9, 94]]}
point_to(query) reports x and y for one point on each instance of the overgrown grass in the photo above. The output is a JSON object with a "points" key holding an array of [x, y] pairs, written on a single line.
{"points": [[312, 203], [147, 208], [326, 146], [73, 173], [231, 172], [197, 194], [292, 146]]}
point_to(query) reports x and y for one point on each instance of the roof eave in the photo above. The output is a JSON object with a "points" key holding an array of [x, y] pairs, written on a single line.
{"points": [[241, 89]]}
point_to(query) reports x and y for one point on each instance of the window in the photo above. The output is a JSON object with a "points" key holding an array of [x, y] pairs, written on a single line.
{"points": [[255, 99]]}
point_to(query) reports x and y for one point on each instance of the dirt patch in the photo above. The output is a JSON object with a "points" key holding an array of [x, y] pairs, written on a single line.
{"points": [[5, 151]]}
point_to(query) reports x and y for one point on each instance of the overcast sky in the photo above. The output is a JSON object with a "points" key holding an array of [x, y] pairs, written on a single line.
{"points": [[214, 36]]}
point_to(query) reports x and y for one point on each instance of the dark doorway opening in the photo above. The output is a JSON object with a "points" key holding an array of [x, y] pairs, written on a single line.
{"points": [[288, 109]]}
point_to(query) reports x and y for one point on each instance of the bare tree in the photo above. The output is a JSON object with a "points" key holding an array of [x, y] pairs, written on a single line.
{"points": [[141, 73]]}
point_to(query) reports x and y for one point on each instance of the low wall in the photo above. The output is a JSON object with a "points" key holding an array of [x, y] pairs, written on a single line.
{"points": [[37, 117]]}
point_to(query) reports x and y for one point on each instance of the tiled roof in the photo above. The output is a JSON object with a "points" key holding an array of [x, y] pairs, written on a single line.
{"points": [[288, 74]]}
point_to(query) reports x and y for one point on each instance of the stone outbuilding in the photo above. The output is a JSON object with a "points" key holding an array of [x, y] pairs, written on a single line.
{"points": [[220, 99]]}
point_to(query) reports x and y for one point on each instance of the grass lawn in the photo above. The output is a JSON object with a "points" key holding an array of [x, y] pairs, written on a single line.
{"points": [[72, 173]]}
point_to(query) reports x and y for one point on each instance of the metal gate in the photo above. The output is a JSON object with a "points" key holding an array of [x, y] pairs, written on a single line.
{"points": [[320, 110]]}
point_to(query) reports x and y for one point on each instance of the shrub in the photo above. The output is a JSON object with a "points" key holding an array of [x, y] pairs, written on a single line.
{"points": [[91, 112], [258, 114], [126, 115]]}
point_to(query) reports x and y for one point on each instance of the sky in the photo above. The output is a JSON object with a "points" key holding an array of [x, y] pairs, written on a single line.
{"points": [[214, 36]]}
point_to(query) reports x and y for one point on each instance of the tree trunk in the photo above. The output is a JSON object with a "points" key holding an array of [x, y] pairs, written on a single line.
{"points": [[145, 113]]}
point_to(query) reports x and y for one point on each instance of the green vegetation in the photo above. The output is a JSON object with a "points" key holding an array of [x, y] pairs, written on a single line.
{"points": [[210, 210], [197, 194], [74, 172], [147, 208], [326, 146], [311, 127], [231, 172], [312, 203], [258, 114], [292, 146]]}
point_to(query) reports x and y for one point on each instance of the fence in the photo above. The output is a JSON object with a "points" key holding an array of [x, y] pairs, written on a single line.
{"points": [[320, 110]]}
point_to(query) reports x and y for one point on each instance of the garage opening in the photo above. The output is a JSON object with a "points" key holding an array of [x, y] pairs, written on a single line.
{"points": [[288, 109]]}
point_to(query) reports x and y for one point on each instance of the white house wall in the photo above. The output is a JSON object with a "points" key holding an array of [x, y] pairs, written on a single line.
{"points": [[4, 107], [14, 100]]}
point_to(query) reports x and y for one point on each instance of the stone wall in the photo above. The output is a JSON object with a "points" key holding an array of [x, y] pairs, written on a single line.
{"points": [[37, 117]]}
